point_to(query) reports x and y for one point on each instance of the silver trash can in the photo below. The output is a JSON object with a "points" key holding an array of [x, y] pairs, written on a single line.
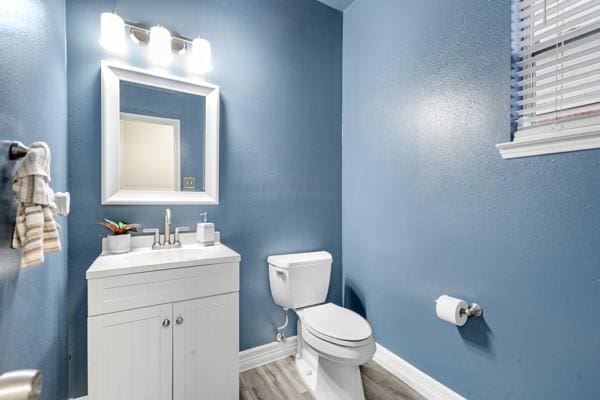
{"points": [[24, 384]]}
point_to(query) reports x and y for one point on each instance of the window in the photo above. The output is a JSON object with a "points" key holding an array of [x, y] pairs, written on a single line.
{"points": [[556, 77]]}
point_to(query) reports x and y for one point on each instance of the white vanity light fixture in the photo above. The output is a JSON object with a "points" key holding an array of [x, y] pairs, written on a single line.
{"points": [[160, 45], [112, 33], [200, 60]]}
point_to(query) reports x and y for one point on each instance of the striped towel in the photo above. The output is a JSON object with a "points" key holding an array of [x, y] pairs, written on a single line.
{"points": [[37, 161], [35, 231], [32, 182], [34, 189], [36, 234]]}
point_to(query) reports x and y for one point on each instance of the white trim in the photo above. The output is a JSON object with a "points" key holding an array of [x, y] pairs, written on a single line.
{"points": [[413, 377], [111, 75], [550, 143], [261, 355]]}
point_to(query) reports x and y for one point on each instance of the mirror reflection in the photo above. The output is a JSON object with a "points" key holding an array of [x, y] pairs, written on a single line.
{"points": [[161, 139]]}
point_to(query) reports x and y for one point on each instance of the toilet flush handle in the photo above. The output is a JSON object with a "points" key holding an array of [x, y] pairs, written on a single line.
{"points": [[280, 274]]}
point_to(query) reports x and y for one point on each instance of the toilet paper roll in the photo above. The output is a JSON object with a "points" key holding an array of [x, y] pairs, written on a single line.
{"points": [[451, 309]]}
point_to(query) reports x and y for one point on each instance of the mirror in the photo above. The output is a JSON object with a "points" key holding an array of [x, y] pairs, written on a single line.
{"points": [[160, 138]]}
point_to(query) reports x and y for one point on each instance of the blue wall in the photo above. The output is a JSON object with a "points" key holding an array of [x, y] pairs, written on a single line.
{"points": [[33, 317], [429, 207], [279, 67]]}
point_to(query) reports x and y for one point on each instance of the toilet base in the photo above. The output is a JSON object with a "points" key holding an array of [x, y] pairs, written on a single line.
{"points": [[336, 381], [327, 380], [331, 382]]}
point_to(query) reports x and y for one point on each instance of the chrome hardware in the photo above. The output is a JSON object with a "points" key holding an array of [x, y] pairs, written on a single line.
{"points": [[474, 310], [281, 275], [179, 320], [167, 237], [25, 384], [166, 242], [17, 150], [280, 337], [156, 236], [166, 322], [178, 230]]}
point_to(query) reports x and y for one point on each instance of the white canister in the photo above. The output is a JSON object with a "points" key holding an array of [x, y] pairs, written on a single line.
{"points": [[118, 244], [205, 233]]}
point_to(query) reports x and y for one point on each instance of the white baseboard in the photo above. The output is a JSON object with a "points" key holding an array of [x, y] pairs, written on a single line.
{"points": [[267, 353], [413, 377]]}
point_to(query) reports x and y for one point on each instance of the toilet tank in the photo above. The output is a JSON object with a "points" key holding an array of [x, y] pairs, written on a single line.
{"points": [[301, 279]]}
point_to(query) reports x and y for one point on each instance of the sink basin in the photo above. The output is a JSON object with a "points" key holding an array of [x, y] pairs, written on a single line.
{"points": [[148, 257], [144, 259]]}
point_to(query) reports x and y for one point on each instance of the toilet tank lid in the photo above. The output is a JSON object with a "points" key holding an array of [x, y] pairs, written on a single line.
{"points": [[299, 259]]}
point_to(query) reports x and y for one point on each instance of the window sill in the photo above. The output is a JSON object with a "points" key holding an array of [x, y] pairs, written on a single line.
{"points": [[550, 143]]}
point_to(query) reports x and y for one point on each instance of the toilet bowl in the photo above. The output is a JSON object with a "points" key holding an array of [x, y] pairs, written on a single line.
{"points": [[332, 341]]}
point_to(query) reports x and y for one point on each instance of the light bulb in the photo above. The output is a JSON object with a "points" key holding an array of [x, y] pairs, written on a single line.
{"points": [[200, 59], [112, 33], [160, 45], [134, 38]]}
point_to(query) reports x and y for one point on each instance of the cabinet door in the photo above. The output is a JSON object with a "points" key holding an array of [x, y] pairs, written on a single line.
{"points": [[130, 355], [205, 349]]}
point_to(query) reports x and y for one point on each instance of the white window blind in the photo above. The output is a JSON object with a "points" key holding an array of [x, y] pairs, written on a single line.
{"points": [[556, 72]]}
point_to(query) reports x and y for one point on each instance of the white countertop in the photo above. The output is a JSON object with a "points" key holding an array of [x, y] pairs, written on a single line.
{"points": [[144, 259]]}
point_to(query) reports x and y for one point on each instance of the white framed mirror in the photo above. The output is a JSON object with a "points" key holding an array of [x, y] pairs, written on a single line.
{"points": [[160, 138]]}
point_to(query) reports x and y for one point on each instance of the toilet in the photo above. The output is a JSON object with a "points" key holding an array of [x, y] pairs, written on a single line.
{"points": [[332, 341]]}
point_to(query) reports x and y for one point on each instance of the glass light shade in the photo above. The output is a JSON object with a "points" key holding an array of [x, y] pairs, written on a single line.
{"points": [[134, 38], [112, 33], [160, 45], [200, 59]]}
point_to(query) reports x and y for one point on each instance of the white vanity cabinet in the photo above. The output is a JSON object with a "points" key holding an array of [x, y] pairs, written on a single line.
{"points": [[163, 325]]}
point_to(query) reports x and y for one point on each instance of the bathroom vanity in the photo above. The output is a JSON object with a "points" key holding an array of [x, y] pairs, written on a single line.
{"points": [[163, 324]]}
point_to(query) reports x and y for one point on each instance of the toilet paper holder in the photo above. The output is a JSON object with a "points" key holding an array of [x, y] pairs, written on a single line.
{"points": [[473, 310], [455, 310]]}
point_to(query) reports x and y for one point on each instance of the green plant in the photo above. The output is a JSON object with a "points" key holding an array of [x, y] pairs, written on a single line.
{"points": [[118, 228]]}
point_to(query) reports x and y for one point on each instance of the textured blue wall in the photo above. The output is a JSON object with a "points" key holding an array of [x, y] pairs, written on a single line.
{"points": [[279, 67], [429, 207], [33, 304]]}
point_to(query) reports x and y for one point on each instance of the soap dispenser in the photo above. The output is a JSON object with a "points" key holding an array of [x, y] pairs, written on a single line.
{"points": [[205, 231]]}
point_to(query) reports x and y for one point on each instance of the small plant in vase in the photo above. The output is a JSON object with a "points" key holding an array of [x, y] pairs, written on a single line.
{"points": [[120, 240]]}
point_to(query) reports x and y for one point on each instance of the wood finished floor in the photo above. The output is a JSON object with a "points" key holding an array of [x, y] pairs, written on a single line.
{"points": [[280, 381]]}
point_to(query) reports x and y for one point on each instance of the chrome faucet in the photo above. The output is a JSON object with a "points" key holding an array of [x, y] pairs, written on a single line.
{"points": [[166, 242], [167, 237]]}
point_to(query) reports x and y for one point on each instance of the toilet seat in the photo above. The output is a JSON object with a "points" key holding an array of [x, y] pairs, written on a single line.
{"points": [[347, 355], [338, 325]]}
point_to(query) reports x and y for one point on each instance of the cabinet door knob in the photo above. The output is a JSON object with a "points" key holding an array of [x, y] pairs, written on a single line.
{"points": [[179, 320], [166, 323]]}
